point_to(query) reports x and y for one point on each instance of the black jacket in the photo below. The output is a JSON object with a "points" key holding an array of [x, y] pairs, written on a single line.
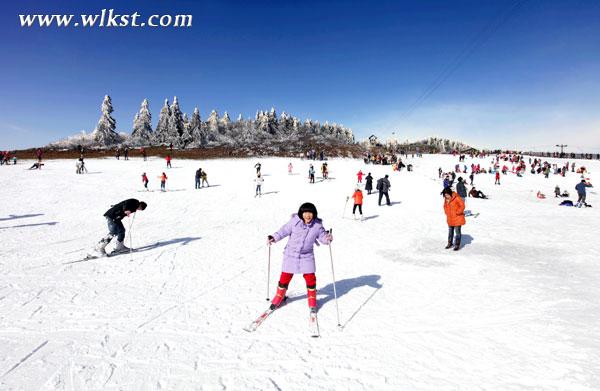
{"points": [[369, 185], [461, 190], [117, 212], [383, 185]]}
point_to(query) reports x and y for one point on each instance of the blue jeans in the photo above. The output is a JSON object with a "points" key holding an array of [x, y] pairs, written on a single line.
{"points": [[451, 233], [197, 183], [115, 227]]}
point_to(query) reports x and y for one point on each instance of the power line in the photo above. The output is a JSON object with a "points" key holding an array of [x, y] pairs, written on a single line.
{"points": [[481, 38]]}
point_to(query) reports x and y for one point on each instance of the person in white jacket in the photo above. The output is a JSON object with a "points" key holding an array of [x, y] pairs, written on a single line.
{"points": [[259, 181]]}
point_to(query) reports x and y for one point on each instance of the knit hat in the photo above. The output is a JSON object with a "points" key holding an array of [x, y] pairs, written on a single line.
{"points": [[307, 207]]}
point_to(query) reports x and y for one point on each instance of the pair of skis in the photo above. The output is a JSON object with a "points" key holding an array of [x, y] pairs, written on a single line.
{"points": [[313, 324]]}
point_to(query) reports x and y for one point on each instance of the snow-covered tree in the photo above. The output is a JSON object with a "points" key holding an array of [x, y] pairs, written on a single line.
{"points": [[142, 126], [104, 133], [175, 127], [162, 127]]}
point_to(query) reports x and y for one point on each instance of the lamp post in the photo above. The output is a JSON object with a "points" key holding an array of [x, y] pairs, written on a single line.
{"points": [[561, 146]]}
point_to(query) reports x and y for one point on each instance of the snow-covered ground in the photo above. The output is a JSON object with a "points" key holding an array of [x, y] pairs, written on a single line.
{"points": [[518, 307]]}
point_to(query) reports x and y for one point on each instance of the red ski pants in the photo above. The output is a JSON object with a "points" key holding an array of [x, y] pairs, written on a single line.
{"points": [[310, 278]]}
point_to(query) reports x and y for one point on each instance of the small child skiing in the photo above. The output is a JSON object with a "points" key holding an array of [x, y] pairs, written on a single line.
{"points": [[145, 181], [324, 171], [163, 181], [359, 176], [358, 201], [290, 168], [304, 229], [497, 182], [168, 158], [259, 181]]}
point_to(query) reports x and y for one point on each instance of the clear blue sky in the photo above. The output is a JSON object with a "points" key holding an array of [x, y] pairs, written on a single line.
{"points": [[533, 82]]}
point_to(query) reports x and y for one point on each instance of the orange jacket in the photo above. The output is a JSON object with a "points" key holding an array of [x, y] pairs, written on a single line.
{"points": [[163, 178], [358, 197], [455, 211]]}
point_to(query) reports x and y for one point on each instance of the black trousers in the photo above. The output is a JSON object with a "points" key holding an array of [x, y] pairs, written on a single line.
{"points": [[359, 208], [387, 197]]}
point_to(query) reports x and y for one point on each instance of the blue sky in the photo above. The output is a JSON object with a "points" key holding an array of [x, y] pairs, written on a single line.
{"points": [[532, 83]]}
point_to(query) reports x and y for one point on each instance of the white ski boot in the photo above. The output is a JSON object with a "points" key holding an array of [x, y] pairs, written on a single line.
{"points": [[121, 248]]}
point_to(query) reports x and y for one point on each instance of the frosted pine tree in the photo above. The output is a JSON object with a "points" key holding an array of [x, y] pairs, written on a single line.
{"points": [[186, 137], [198, 136], [213, 126], [104, 133], [162, 127], [142, 126], [175, 127]]}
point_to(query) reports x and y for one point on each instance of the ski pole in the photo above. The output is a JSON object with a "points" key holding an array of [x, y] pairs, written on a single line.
{"points": [[130, 239], [334, 290], [345, 205], [268, 271]]}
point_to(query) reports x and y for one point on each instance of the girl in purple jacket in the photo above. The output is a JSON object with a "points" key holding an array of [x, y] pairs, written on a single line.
{"points": [[304, 229]]}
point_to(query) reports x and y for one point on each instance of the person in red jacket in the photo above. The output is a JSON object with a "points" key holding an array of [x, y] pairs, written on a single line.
{"points": [[454, 207], [359, 175], [145, 180], [358, 201], [497, 178], [168, 158]]}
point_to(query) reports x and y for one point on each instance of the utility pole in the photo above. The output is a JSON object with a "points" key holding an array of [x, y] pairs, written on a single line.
{"points": [[561, 146]]}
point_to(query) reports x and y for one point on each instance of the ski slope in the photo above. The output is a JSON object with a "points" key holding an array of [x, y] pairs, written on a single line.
{"points": [[516, 308]]}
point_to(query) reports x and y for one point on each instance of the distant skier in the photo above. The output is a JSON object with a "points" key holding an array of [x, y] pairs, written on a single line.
{"points": [[358, 201], [163, 181], [197, 177], [454, 207], [556, 192], [290, 168], [471, 176], [497, 182], [114, 217], [118, 153], [145, 181], [359, 176], [581, 193], [204, 178], [477, 193], [369, 183], [383, 186], [304, 229], [311, 174], [446, 182], [259, 181], [126, 153], [144, 154], [168, 158], [440, 172], [257, 166], [39, 153], [324, 171]]}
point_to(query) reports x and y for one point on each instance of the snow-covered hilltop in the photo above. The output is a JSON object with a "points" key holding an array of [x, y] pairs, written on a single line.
{"points": [[175, 127], [428, 145]]}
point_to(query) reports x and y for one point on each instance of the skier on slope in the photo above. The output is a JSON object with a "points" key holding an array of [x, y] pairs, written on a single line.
{"points": [[311, 174], [369, 183], [197, 178], [454, 207], [163, 181], [290, 168], [145, 181], [358, 202], [259, 182], [114, 217], [304, 229], [461, 189], [580, 187], [359, 176], [257, 166]]}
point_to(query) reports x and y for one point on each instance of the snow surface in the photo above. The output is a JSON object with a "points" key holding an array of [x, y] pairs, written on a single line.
{"points": [[516, 308]]}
